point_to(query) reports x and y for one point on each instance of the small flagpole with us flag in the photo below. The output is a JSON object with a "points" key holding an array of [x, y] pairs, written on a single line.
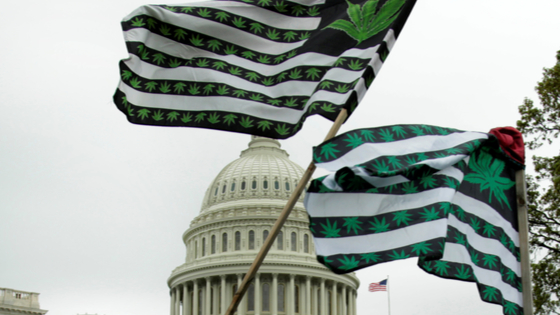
{"points": [[382, 285]]}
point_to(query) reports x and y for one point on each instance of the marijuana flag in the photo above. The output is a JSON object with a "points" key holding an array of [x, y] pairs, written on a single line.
{"points": [[443, 195], [253, 66]]}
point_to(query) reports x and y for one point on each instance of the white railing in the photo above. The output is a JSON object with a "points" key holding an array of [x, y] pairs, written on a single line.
{"points": [[21, 295], [19, 298]]}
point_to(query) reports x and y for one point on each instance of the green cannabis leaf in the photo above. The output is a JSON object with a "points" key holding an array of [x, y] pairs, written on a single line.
{"points": [[366, 21]]}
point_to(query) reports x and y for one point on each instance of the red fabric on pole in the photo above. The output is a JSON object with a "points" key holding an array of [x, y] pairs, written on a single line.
{"points": [[511, 142]]}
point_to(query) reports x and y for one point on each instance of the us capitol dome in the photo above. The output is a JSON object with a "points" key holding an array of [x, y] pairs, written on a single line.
{"points": [[238, 210]]}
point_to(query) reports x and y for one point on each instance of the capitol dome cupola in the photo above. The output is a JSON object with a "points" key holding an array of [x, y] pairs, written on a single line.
{"points": [[263, 171]]}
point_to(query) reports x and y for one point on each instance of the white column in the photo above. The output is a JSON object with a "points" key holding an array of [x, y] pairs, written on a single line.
{"points": [[186, 306], [315, 302], [215, 302], [258, 298], [274, 294], [308, 295], [207, 298], [323, 298], [223, 301], [291, 297], [334, 297], [177, 300], [172, 298], [191, 301], [344, 308], [352, 305], [349, 301], [240, 308], [195, 298]]}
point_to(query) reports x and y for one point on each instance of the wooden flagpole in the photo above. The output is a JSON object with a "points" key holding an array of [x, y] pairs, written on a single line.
{"points": [[521, 191], [280, 221]]}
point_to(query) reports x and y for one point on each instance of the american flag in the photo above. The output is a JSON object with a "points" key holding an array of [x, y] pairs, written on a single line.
{"points": [[378, 286]]}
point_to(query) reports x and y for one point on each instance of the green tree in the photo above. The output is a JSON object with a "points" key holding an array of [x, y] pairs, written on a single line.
{"points": [[540, 124]]}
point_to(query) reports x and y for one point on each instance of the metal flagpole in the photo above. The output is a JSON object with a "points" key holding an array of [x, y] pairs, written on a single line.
{"points": [[388, 295], [521, 191], [280, 221]]}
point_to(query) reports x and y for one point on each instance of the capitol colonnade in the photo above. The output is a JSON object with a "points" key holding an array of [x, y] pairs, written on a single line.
{"points": [[295, 294], [238, 210]]}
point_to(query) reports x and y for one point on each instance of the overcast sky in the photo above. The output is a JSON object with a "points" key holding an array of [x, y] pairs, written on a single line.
{"points": [[92, 208]]}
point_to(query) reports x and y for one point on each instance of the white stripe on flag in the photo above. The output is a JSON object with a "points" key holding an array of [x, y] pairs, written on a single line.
{"points": [[219, 103], [252, 12], [227, 35], [458, 253], [363, 204], [401, 147], [291, 87], [362, 244], [186, 51], [194, 103], [486, 245], [287, 88], [378, 181], [487, 213], [441, 163], [308, 2], [326, 96], [376, 61], [361, 87], [330, 182]]}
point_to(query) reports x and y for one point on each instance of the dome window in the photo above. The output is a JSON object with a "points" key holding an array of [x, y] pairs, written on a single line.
{"points": [[266, 297], [243, 185], [306, 243], [281, 300], [254, 184], [233, 186], [251, 298], [203, 246], [213, 244], [293, 241], [251, 239], [224, 189], [224, 242], [280, 240], [216, 191], [237, 240], [265, 184], [276, 185], [287, 186], [265, 235]]}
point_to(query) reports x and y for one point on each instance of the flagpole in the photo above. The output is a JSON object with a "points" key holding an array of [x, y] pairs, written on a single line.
{"points": [[388, 295], [342, 115], [521, 191]]}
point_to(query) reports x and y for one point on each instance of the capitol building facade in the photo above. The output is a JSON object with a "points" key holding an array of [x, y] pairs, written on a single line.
{"points": [[238, 211]]}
